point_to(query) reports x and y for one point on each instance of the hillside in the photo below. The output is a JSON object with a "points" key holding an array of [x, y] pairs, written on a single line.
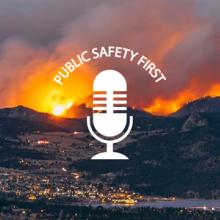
{"points": [[206, 104], [169, 160], [169, 156]]}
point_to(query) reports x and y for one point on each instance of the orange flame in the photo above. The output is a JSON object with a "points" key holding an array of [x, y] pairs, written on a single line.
{"points": [[40, 92], [161, 106], [61, 109]]}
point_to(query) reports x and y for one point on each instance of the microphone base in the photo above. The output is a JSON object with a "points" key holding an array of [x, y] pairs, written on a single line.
{"points": [[109, 156]]}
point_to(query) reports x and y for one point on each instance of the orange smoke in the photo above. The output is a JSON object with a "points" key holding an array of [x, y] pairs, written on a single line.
{"points": [[39, 92]]}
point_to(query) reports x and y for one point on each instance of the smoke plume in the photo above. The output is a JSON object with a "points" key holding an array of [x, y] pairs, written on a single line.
{"points": [[38, 37]]}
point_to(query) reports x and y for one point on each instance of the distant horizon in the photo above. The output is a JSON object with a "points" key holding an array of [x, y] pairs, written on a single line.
{"points": [[66, 116]]}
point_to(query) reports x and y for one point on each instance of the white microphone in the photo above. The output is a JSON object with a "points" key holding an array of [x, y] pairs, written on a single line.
{"points": [[109, 112]]}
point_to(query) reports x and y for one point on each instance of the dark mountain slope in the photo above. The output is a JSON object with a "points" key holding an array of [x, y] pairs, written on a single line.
{"points": [[206, 104], [180, 162], [20, 113]]}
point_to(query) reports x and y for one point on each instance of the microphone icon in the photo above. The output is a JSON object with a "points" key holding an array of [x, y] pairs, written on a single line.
{"points": [[109, 121]]}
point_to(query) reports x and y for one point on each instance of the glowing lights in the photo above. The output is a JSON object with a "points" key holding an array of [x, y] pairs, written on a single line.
{"points": [[61, 109], [58, 110], [64, 169], [32, 197], [43, 142], [75, 175]]}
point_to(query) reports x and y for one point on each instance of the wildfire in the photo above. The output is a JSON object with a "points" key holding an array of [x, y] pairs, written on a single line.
{"points": [[61, 109], [40, 93], [162, 106]]}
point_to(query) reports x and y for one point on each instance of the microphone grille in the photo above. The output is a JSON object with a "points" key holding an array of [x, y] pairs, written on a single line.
{"points": [[119, 101], [99, 101], [114, 102]]}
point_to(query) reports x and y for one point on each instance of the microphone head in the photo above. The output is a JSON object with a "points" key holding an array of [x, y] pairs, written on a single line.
{"points": [[109, 80], [109, 103]]}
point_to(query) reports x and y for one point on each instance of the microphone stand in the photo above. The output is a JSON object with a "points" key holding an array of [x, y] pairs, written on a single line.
{"points": [[110, 154]]}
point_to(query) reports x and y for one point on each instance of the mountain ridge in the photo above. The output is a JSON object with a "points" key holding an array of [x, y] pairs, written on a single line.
{"points": [[206, 104], [30, 114]]}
